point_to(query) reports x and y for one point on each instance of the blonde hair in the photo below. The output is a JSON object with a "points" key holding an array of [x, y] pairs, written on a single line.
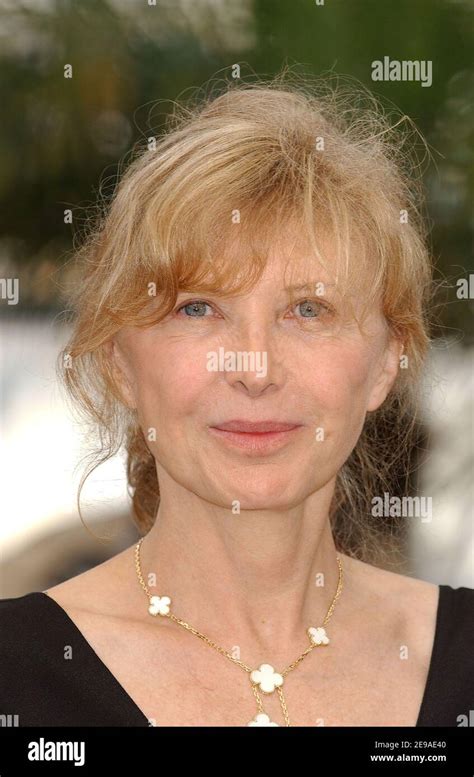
{"points": [[326, 155]]}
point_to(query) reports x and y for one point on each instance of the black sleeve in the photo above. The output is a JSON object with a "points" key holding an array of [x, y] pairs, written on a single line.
{"points": [[450, 686]]}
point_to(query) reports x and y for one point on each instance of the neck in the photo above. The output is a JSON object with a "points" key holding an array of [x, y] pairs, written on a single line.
{"points": [[260, 577]]}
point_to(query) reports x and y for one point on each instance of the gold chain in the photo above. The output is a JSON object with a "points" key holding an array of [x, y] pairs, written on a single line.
{"points": [[225, 653]]}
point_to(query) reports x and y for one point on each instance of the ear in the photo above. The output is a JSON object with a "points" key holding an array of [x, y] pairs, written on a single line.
{"points": [[121, 371], [386, 374]]}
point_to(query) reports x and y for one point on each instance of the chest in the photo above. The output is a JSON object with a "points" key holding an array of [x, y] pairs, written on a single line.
{"points": [[356, 697], [177, 681]]}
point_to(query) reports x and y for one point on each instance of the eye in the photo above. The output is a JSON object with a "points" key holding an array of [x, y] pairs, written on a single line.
{"points": [[194, 309], [311, 308]]}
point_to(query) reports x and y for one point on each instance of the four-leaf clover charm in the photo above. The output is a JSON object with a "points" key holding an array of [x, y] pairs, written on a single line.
{"points": [[159, 605], [266, 678], [318, 636], [262, 719]]}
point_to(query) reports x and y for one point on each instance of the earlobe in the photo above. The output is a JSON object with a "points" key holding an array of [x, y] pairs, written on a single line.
{"points": [[387, 375]]}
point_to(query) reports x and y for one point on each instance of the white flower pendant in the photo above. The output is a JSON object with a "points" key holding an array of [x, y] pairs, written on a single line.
{"points": [[266, 678], [318, 636], [262, 719], [159, 605]]}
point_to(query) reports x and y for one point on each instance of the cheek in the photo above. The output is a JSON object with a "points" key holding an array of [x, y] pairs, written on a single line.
{"points": [[170, 379], [340, 382], [338, 388]]}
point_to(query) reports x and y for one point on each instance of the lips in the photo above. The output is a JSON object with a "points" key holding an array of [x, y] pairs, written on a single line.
{"points": [[255, 438], [255, 427]]}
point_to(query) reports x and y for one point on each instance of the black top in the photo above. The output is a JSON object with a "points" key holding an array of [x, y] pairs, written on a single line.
{"points": [[40, 685]]}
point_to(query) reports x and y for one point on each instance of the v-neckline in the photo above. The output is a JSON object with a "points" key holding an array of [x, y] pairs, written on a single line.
{"points": [[137, 712], [134, 708]]}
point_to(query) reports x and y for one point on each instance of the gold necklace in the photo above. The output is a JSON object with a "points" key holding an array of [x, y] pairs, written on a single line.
{"points": [[264, 678]]}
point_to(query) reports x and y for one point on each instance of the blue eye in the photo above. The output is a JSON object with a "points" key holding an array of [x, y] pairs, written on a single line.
{"points": [[309, 308], [196, 308], [309, 305]]}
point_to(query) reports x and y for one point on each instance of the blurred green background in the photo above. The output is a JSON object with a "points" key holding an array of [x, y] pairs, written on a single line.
{"points": [[61, 139]]}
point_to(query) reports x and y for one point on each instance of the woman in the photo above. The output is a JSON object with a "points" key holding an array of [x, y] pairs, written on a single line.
{"points": [[251, 320]]}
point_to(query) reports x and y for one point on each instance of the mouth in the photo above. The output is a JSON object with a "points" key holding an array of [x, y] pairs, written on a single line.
{"points": [[256, 436]]}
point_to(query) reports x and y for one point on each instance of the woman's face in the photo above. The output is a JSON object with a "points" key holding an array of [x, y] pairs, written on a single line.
{"points": [[257, 357]]}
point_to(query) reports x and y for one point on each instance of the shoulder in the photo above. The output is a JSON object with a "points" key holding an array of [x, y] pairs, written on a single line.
{"points": [[398, 611], [393, 592], [30, 625], [434, 624], [103, 589], [20, 614], [37, 620], [418, 606]]}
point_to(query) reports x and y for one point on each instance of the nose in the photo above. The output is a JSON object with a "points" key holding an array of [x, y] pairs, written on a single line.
{"points": [[254, 360]]}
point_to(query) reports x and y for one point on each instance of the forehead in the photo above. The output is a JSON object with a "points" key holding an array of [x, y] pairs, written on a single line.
{"points": [[297, 261]]}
